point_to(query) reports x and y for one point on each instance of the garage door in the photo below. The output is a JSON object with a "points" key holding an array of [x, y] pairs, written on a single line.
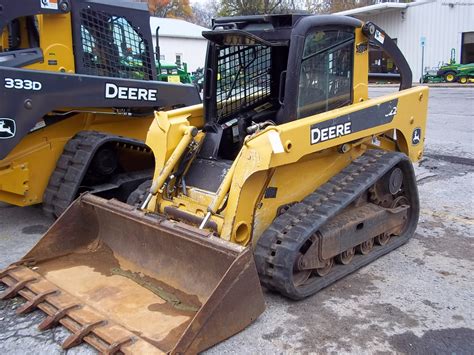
{"points": [[467, 50]]}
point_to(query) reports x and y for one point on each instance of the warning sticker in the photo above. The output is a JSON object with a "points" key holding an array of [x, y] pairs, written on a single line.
{"points": [[379, 36], [49, 4]]}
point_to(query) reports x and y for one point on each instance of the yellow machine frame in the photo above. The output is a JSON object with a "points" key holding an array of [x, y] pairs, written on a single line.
{"points": [[180, 266], [247, 213], [26, 170], [25, 173]]}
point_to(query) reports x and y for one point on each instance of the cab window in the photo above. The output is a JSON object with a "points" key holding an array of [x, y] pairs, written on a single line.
{"points": [[111, 46], [326, 72]]}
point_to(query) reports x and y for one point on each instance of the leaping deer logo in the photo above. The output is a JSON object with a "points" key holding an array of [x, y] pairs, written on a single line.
{"points": [[416, 136], [7, 128]]}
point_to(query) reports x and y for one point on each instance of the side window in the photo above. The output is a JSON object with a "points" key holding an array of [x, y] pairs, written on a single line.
{"points": [[326, 72], [131, 46], [88, 47], [111, 46]]}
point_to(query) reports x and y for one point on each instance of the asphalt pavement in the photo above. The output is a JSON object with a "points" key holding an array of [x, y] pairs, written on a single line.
{"points": [[418, 299]]}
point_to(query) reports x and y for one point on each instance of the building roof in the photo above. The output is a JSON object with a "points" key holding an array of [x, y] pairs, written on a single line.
{"points": [[379, 8], [171, 27]]}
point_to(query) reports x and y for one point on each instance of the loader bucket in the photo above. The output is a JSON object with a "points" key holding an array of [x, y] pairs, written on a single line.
{"points": [[125, 281]]}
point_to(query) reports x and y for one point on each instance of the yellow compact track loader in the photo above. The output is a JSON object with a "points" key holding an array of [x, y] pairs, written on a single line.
{"points": [[78, 88], [289, 176]]}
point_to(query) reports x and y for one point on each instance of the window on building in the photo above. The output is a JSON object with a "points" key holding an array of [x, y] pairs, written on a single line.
{"points": [[326, 72], [379, 62], [179, 56]]}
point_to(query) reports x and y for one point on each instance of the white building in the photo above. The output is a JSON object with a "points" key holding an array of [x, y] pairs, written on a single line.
{"points": [[180, 41], [428, 29]]}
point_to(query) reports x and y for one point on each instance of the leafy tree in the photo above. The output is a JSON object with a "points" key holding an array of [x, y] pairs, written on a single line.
{"points": [[242, 7], [257, 7], [245, 7]]}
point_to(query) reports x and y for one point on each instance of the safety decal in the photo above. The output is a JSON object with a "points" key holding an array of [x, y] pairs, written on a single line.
{"points": [[379, 36], [49, 4]]}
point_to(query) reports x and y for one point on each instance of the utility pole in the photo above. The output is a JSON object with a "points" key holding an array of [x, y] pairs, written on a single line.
{"points": [[423, 43]]}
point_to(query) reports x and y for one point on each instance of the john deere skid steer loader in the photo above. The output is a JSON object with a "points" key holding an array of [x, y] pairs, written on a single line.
{"points": [[288, 177], [78, 88]]}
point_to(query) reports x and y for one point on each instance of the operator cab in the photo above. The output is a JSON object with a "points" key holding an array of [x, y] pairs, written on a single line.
{"points": [[99, 38], [269, 70], [274, 69]]}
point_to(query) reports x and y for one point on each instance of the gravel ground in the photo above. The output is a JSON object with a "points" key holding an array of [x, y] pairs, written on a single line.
{"points": [[418, 299]]}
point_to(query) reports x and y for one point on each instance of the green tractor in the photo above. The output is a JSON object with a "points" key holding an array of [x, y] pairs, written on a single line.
{"points": [[170, 72], [448, 72], [465, 73], [166, 71], [173, 73], [451, 72], [432, 77]]}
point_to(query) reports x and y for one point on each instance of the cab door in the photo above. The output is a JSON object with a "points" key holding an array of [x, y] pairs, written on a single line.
{"points": [[325, 77]]}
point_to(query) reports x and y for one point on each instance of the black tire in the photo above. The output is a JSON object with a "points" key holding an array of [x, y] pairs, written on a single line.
{"points": [[450, 76], [463, 79], [72, 167], [137, 197]]}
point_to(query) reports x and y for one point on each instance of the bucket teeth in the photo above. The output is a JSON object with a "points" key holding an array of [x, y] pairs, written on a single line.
{"points": [[31, 305], [126, 281], [53, 320], [76, 338], [13, 290], [112, 349], [7, 271]]}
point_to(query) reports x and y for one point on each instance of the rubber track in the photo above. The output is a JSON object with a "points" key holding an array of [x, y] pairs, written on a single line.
{"points": [[137, 197], [281, 243], [71, 168]]}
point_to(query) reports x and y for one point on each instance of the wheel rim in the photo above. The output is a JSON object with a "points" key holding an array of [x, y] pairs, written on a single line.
{"points": [[382, 239], [346, 256], [365, 247], [463, 80], [400, 201], [323, 271], [449, 77], [300, 276]]}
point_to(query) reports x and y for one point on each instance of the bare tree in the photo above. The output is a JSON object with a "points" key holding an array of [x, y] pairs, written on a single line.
{"points": [[258, 7], [332, 6], [205, 12]]}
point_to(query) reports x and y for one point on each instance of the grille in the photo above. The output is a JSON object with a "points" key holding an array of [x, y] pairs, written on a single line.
{"points": [[243, 78], [112, 47]]}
